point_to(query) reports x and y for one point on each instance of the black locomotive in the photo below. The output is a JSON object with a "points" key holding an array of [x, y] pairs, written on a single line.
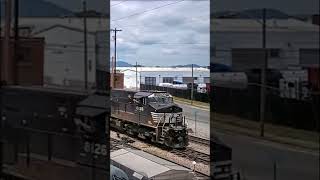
{"points": [[150, 115]]}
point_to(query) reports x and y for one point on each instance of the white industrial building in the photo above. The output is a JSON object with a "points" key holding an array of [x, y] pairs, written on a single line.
{"points": [[64, 47], [238, 43], [157, 75]]}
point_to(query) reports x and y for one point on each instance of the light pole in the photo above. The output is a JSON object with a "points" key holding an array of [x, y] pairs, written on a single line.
{"points": [[192, 84], [263, 75], [115, 30], [136, 76], [263, 70]]}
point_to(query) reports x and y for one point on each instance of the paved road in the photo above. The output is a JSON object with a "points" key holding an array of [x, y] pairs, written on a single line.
{"points": [[202, 119], [255, 158]]}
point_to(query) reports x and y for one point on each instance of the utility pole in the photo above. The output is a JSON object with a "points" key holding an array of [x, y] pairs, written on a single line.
{"points": [[263, 75], [192, 84], [16, 39], [0, 20], [0, 94], [115, 30], [140, 80], [0, 39], [136, 76], [7, 64], [84, 6]]}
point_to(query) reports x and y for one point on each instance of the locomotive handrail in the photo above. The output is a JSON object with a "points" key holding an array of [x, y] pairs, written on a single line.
{"points": [[164, 122]]}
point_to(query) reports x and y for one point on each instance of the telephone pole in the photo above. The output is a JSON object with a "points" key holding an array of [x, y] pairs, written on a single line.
{"points": [[6, 61], [115, 30], [192, 84], [16, 38], [84, 6], [136, 76], [263, 75]]}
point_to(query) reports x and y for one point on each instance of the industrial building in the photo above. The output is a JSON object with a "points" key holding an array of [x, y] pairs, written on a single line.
{"points": [[155, 75], [63, 38], [238, 43]]}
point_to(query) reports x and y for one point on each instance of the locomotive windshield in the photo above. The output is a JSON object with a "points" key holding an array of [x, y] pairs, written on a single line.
{"points": [[161, 98]]}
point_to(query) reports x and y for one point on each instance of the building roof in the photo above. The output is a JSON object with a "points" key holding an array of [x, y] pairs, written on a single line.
{"points": [[159, 69], [142, 94], [146, 164], [252, 25], [40, 24], [93, 106], [59, 26], [50, 89]]}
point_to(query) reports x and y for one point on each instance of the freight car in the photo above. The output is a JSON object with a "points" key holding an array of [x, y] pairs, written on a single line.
{"points": [[150, 115]]}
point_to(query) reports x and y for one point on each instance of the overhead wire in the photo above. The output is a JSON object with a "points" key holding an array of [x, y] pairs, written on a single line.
{"points": [[118, 3], [146, 11]]}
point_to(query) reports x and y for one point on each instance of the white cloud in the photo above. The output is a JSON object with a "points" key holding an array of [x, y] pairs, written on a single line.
{"points": [[170, 35], [170, 51]]}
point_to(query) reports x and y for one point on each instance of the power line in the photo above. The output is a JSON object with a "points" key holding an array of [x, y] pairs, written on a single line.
{"points": [[146, 11], [118, 3], [187, 19]]}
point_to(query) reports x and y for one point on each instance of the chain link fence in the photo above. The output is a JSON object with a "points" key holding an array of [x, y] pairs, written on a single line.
{"points": [[182, 93], [293, 108]]}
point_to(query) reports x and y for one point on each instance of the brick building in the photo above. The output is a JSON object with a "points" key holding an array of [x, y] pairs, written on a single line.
{"points": [[28, 69], [119, 84]]}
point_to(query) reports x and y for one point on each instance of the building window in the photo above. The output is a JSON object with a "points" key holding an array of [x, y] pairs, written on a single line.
{"points": [[150, 81], [274, 53], [167, 79]]}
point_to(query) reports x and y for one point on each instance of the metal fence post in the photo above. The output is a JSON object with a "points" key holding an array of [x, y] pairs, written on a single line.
{"points": [[195, 122], [274, 171], [49, 147], [28, 147]]}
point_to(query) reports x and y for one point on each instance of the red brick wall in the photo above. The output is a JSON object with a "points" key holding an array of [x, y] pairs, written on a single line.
{"points": [[119, 81], [28, 70]]}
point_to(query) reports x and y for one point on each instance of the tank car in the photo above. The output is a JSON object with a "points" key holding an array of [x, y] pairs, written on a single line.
{"points": [[150, 115]]}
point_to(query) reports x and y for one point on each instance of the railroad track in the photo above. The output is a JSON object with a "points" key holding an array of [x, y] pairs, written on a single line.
{"points": [[187, 153], [199, 140], [193, 155]]}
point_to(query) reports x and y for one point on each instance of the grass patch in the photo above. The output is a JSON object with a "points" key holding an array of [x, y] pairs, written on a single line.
{"points": [[195, 103], [275, 132]]}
